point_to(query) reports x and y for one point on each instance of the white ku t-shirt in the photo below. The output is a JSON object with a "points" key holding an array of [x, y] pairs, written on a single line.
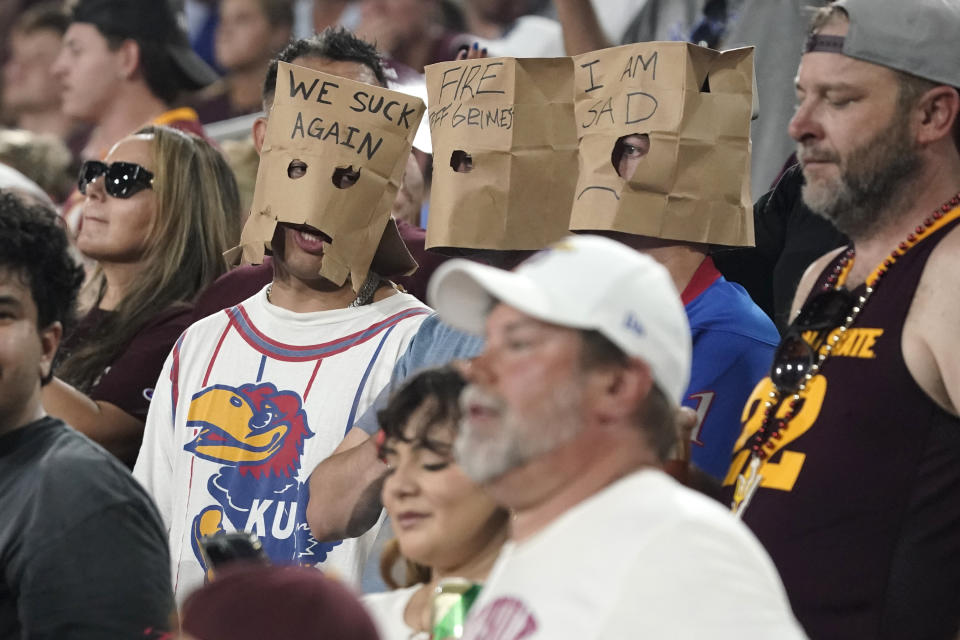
{"points": [[249, 401], [644, 558]]}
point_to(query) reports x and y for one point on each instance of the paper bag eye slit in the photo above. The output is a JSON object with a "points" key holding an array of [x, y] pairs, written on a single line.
{"points": [[461, 161], [345, 177], [626, 155], [627, 152], [296, 169]]}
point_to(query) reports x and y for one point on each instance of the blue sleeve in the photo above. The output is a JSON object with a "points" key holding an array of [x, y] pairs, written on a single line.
{"points": [[433, 345], [726, 368]]}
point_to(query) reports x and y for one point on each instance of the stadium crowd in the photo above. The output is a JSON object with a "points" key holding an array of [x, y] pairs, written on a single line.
{"points": [[487, 319]]}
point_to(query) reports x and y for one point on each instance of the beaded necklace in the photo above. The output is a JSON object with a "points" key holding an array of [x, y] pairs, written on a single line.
{"points": [[772, 428]]}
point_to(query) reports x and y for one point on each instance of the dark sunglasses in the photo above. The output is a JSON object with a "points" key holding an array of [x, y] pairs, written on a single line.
{"points": [[122, 179], [795, 356]]}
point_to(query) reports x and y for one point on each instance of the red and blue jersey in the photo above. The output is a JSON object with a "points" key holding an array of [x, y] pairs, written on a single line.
{"points": [[733, 345]]}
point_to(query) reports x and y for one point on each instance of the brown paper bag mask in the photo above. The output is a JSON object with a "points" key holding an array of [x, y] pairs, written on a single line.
{"points": [[508, 125], [350, 142], [695, 105]]}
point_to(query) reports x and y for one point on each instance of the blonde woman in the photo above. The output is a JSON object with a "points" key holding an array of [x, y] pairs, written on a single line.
{"points": [[445, 525], [158, 215]]}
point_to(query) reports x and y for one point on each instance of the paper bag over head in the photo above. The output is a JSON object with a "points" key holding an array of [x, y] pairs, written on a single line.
{"points": [[695, 105], [504, 152], [333, 158]]}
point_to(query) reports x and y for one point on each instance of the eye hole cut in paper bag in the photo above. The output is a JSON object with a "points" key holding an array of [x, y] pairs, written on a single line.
{"points": [[334, 127], [695, 104], [514, 119]]}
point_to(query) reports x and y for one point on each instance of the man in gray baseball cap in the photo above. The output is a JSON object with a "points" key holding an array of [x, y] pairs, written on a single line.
{"points": [[848, 466]]}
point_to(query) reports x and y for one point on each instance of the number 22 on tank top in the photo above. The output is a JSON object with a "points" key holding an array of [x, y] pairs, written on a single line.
{"points": [[783, 474]]}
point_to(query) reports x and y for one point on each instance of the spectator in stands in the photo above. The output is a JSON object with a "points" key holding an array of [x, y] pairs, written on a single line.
{"points": [[248, 36], [733, 340], [409, 31], [84, 551], [568, 415], [332, 45], [848, 466], [123, 65], [31, 93], [158, 216], [309, 353], [445, 525]]}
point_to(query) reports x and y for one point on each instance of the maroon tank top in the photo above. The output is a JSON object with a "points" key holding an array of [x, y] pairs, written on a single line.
{"points": [[860, 502]]}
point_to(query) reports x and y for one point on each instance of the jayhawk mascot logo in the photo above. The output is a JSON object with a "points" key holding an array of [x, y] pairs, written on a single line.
{"points": [[257, 433]]}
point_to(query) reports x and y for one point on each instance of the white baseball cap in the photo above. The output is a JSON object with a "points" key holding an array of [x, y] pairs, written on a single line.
{"points": [[582, 282]]}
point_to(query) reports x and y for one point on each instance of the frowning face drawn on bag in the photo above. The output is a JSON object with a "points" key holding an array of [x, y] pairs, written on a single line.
{"points": [[664, 142]]}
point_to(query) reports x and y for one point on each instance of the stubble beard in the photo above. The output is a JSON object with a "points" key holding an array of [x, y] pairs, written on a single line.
{"points": [[514, 441], [873, 184]]}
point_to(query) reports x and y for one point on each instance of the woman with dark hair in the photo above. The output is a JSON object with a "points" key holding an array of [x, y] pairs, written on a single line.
{"points": [[445, 525], [157, 218]]}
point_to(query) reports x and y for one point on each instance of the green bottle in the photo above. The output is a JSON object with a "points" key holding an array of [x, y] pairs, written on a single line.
{"points": [[451, 602]]}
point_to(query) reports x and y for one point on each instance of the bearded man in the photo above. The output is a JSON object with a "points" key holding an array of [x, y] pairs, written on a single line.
{"points": [[848, 466], [568, 416]]}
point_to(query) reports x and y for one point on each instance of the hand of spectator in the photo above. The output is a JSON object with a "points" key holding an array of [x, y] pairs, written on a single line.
{"points": [[471, 52]]}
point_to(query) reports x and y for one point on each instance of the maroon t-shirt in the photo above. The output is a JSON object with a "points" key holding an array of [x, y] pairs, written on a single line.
{"points": [[129, 380], [241, 283]]}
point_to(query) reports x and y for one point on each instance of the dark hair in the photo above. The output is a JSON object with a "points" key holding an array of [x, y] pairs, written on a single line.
{"points": [[46, 15], [33, 244], [333, 43], [153, 26], [441, 389], [656, 416], [279, 13], [160, 72]]}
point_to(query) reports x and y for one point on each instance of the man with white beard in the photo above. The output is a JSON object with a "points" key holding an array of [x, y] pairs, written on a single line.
{"points": [[569, 414]]}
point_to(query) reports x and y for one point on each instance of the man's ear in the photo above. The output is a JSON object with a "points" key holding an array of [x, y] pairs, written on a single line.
{"points": [[49, 342], [620, 390], [128, 58], [259, 133], [939, 109]]}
